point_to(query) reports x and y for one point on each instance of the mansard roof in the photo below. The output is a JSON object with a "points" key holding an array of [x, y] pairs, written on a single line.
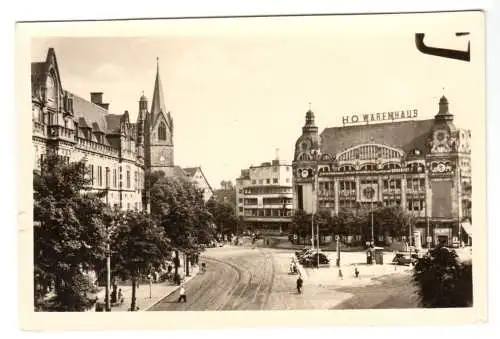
{"points": [[91, 112], [407, 135]]}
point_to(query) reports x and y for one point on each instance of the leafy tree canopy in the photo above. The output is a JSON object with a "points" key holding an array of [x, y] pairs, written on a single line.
{"points": [[69, 232], [223, 214], [178, 207], [443, 280]]}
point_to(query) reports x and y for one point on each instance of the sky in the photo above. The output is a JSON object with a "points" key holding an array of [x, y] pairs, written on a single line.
{"points": [[238, 89]]}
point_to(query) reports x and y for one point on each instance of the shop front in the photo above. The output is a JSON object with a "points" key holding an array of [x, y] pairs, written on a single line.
{"points": [[443, 236]]}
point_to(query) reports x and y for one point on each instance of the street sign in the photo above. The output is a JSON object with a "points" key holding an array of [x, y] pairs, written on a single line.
{"points": [[429, 239], [337, 237]]}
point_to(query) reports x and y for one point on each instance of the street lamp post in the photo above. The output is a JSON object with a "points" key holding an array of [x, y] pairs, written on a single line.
{"points": [[108, 274], [317, 242], [371, 208], [108, 266], [312, 224], [284, 214]]}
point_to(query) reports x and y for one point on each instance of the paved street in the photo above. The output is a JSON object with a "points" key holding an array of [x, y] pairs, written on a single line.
{"points": [[254, 279]]}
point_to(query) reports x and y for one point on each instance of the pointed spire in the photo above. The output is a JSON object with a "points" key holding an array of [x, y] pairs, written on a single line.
{"points": [[158, 103]]}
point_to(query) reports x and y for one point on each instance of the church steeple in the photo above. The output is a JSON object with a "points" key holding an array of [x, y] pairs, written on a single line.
{"points": [[158, 103]]}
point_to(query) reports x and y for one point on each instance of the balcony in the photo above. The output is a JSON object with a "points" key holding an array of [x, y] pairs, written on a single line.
{"points": [[392, 191], [267, 219], [96, 147], [59, 132], [39, 129]]}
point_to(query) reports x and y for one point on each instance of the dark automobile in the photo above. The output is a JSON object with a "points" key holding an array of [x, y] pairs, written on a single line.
{"points": [[403, 258]]}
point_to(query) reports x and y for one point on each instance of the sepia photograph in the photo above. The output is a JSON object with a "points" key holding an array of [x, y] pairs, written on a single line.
{"points": [[283, 163]]}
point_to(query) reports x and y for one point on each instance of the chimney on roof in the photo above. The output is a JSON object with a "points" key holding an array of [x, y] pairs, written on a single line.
{"points": [[96, 98]]}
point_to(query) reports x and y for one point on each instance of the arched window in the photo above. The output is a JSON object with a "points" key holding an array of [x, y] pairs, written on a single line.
{"points": [[368, 167], [346, 168], [162, 131], [304, 157], [391, 166]]}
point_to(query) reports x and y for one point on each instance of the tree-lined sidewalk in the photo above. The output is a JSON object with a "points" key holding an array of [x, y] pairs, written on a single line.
{"points": [[159, 291], [77, 233]]}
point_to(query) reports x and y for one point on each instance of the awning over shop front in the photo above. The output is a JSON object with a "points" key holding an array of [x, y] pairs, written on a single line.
{"points": [[467, 226]]}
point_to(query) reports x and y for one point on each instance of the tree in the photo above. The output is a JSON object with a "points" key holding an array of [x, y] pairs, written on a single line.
{"points": [[69, 234], [392, 220], [349, 222], [138, 246], [325, 222], [443, 280], [223, 215], [301, 224], [178, 207], [227, 193]]}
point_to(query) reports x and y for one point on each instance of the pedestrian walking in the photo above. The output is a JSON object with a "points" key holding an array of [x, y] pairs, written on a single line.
{"points": [[299, 284], [341, 276], [120, 297], [356, 272], [182, 294]]}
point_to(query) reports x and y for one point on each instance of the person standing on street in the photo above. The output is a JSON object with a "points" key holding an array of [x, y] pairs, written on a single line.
{"points": [[299, 284], [182, 294]]}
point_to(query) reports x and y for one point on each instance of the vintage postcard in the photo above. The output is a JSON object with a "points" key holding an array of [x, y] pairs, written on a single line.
{"points": [[307, 170]]}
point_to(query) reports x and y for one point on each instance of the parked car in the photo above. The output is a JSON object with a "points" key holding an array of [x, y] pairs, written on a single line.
{"points": [[403, 258]]}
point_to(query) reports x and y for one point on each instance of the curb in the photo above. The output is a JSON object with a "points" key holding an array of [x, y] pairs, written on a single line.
{"points": [[166, 295]]}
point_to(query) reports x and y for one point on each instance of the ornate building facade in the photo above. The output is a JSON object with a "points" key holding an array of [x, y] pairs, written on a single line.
{"points": [[74, 128], [118, 152], [424, 166]]}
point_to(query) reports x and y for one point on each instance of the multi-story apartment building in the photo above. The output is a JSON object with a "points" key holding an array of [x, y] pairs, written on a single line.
{"points": [[422, 165], [264, 196]]}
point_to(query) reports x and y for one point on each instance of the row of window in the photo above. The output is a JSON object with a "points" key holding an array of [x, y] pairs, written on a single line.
{"points": [[267, 212], [136, 206], [97, 175], [412, 204], [417, 184], [414, 167], [267, 190], [266, 201], [268, 181]]}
